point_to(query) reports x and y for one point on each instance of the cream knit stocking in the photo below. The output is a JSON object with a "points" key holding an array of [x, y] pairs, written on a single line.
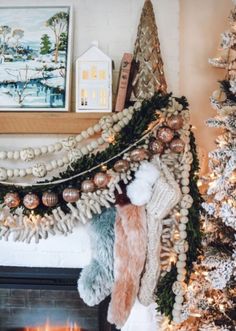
{"points": [[165, 195]]}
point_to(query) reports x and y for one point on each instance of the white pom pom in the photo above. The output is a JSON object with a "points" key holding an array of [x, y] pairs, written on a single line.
{"points": [[148, 173], [139, 192]]}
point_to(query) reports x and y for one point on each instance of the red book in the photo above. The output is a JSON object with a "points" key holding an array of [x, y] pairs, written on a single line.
{"points": [[123, 81]]}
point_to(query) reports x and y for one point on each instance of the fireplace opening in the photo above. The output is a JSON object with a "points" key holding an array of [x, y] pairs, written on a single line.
{"points": [[46, 299]]}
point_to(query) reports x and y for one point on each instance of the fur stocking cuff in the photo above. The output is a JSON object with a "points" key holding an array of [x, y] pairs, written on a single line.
{"points": [[140, 190], [96, 279], [129, 258]]}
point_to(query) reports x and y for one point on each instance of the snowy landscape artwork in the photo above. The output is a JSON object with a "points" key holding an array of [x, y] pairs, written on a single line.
{"points": [[34, 58]]}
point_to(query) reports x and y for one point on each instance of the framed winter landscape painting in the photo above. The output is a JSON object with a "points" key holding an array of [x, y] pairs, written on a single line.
{"points": [[35, 64]]}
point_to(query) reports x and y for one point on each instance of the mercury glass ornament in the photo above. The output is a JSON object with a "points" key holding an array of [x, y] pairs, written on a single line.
{"points": [[121, 166], [12, 200], [156, 146], [71, 194], [49, 199], [31, 201], [177, 145], [175, 122], [165, 134], [139, 154], [101, 179], [87, 186]]}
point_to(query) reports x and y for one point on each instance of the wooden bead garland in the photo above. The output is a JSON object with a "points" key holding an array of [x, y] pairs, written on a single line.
{"points": [[109, 125]]}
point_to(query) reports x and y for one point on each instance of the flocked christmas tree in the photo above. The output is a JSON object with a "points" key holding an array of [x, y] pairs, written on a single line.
{"points": [[148, 76], [212, 292]]}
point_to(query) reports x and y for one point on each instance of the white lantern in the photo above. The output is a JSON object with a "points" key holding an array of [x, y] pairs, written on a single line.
{"points": [[93, 81]]}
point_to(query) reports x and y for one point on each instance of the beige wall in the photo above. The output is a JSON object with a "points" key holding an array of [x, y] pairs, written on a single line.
{"points": [[201, 23]]}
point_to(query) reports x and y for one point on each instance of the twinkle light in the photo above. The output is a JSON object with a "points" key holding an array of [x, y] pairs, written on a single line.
{"points": [[210, 300], [199, 183], [222, 307]]}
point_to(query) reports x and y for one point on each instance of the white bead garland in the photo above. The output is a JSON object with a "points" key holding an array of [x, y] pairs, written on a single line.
{"points": [[110, 125], [177, 234], [106, 122]]}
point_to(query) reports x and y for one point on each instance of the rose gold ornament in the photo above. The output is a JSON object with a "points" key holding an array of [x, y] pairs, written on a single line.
{"points": [[31, 201], [165, 134], [156, 147], [49, 199], [101, 180], [71, 194], [121, 166], [12, 200], [175, 122], [87, 186], [139, 154], [177, 145]]}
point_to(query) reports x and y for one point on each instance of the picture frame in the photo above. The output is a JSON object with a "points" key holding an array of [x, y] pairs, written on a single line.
{"points": [[35, 58]]}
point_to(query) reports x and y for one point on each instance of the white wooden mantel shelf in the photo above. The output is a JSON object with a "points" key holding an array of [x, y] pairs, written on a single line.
{"points": [[35, 122]]}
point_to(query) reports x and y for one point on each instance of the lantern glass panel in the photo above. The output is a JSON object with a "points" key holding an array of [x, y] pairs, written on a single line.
{"points": [[85, 74], [103, 98], [102, 74], [93, 72]]}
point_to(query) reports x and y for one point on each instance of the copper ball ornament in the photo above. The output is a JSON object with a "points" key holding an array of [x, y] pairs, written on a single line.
{"points": [[71, 194], [156, 147], [87, 186], [49, 199], [177, 145], [101, 179], [31, 201], [175, 122], [139, 154], [12, 200], [165, 134], [121, 166]]}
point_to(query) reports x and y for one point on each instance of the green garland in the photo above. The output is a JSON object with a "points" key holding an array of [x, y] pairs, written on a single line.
{"points": [[130, 134], [165, 295]]}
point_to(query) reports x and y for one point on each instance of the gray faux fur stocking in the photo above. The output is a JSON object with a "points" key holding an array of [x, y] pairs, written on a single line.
{"points": [[96, 279]]}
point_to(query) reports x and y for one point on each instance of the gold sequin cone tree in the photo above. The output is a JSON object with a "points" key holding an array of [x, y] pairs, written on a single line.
{"points": [[148, 76]]}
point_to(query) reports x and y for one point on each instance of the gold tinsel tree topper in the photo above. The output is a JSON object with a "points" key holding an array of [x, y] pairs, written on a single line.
{"points": [[148, 76]]}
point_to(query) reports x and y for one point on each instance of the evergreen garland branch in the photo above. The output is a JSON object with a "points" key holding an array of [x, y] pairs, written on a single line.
{"points": [[193, 226], [165, 296]]}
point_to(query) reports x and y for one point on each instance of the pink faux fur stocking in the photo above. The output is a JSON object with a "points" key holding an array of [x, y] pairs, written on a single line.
{"points": [[129, 259]]}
